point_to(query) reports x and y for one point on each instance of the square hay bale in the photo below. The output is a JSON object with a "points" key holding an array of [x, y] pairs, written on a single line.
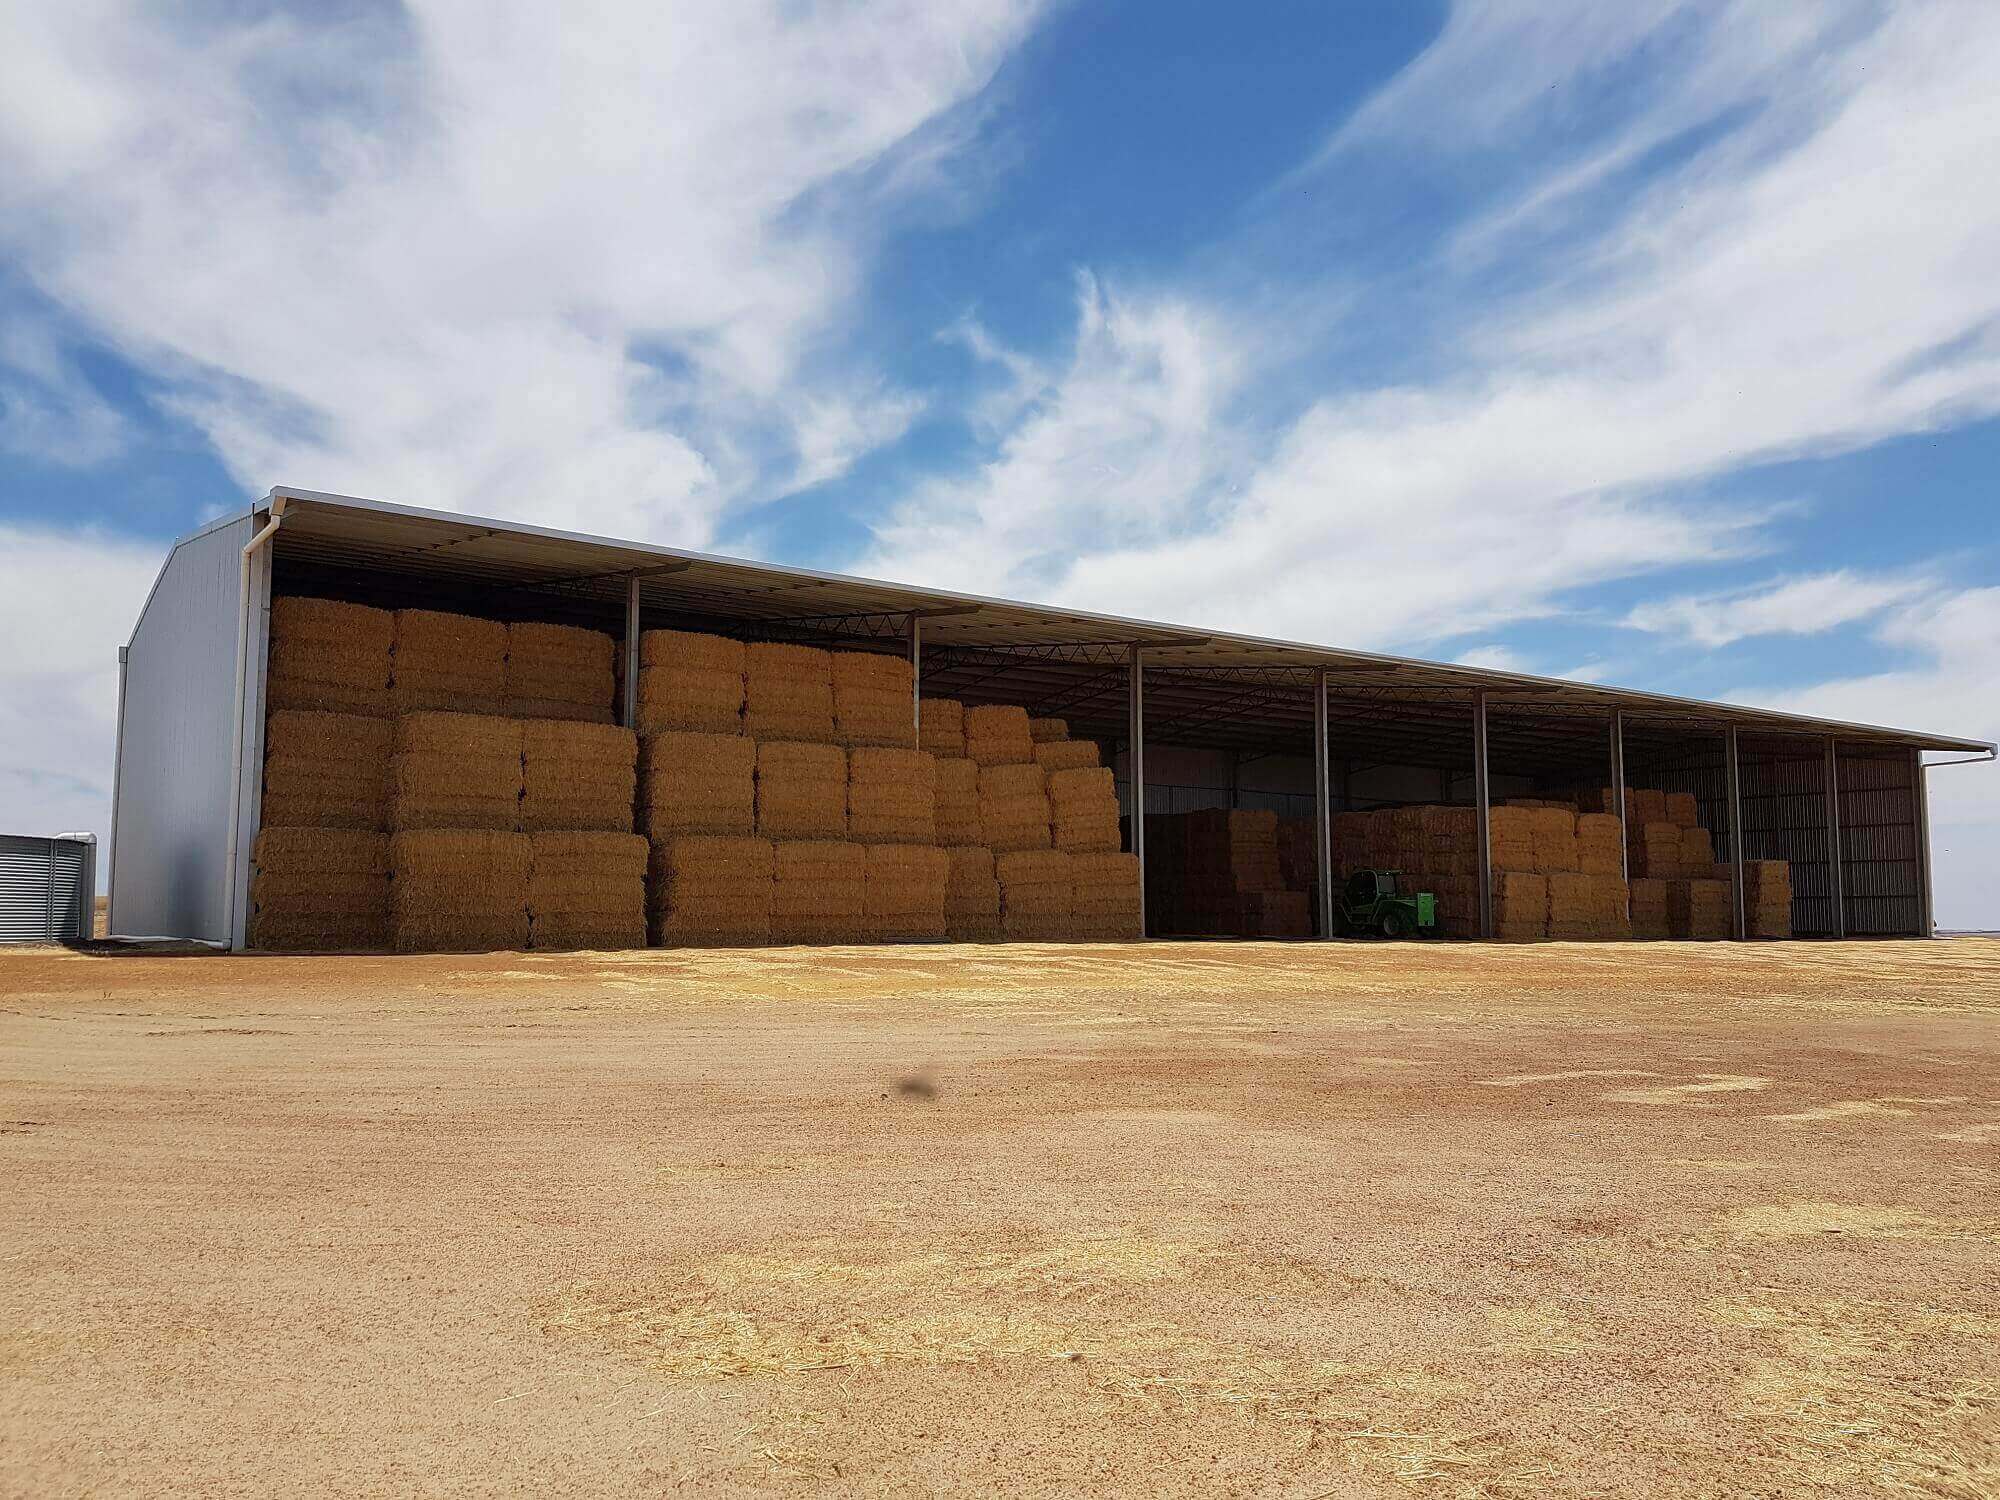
{"points": [[1066, 755], [1037, 895], [997, 734], [1520, 906], [319, 890], [448, 662], [691, 782], [1600, 844], [1656, 851], [1511, 838], [560, 672], [690, 682], [458, 889], [1553, 839], [587, 890], [1681, 809], [955, 803], [1271, 914], [453, 770], [1649, 805], [942, 730], [578, 776], [905, 893], [1014, 811], [708, 890], [1083, 804], [820, 894], [328, 656], [891, 795], [971, 896], [801, 790], [1699, 909], [1105, 904], [1048, 731], [874, 702], [788, 693], [1697, 848], [326, 770], [693, 649]]}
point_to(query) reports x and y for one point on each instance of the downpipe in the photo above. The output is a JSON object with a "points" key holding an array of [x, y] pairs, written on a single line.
{"points": [[250, 549]]}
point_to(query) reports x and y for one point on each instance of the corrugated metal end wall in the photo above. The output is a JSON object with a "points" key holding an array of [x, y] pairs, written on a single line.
{"points": [[1785, 817], [169, 847], [47, 889]]}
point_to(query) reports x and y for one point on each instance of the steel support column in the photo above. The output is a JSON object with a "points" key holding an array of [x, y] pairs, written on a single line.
{"points": [[1618, 796], [117, 779], [917, 680], [1735, 775], [1482, 797], [1135, 758], [1836, 871], [1920, 801], [631, 716], [1322, 806]]}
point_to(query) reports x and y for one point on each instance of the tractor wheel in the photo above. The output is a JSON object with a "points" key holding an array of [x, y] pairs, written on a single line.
{"points": [[1394, 924]]}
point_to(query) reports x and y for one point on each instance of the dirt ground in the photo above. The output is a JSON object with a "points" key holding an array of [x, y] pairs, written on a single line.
{"points": [[1174, 1219]]}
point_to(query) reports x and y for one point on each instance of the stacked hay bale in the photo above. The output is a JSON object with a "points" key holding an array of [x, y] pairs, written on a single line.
{"points": [[329, 657], [1520, 904], [872, 700], [1656, 851], [1230, 879], [1104, 900], [1066, 755], [955, 804], [710, 890], [1649, 909], [788, 693], [971, 895], [942, 730], [1298, 861], [454, 770], [1767, 898], [586, 890], [1048, 731], [319, 890], [1697, 850], [1699, 909], [1681, 809], [1083, 810], [1409, 841], [1168, 909], [577, 776], [1350, 842], [1013, 807], [1037, 895], [450, 663], [559, 672], [819, 892], [1510, 833], [892, 796], [459, 889], [1553, 838], [1600, 844], [801, 790], [690, 682], [905, 893], [1587, 908], [690, 782], [326, 770], [1645, 805], [998, 735]]}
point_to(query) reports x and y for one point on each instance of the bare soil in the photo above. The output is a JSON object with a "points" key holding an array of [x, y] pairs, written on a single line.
{"points": [[1169, 1219]]}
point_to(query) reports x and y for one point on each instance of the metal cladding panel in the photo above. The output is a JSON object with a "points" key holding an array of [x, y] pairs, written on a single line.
{"points": [[1784, 817], [1880, 846], [44, 890], [169, 849]]}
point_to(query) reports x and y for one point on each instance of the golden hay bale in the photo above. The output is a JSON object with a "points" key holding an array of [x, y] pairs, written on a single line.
{"points": [[319, 890], [801, 790], [870, 669], [326, 770], [578, 776], [697, 783], [1048, 731], [968, 865], [701, 699], [997, 734], [298, 618], [691, 649], [559, 672], [1017, 868], [329, 656], [1082, 788], [554, 744], [458, 890], [892, 796], [458, 734], [955, 803], [587, 890], [832, 863], [904, 898], [801, 761], [1681, 809], [1066, 755], [1097, 833], [942, 731], [1012, 780], [448, 661]]}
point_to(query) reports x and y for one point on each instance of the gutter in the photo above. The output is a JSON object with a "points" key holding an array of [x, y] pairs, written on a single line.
{"points": [[250, 549]]}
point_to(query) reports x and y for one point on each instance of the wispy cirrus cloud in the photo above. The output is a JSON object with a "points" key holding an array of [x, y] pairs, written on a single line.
{"points": [[1805, 605]]}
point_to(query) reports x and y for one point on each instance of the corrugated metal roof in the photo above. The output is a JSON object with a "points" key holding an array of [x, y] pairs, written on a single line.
{"points": [[1204, 686]]}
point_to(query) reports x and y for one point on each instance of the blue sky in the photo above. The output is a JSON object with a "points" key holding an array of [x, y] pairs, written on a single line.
{"points": [[1659, 345]]}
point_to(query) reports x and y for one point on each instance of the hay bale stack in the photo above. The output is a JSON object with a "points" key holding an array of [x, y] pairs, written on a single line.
{"points": [[586, 890], [956, 803], [1105, 898], [801, 790], [1511, 838], [1767, 898], [1697, 849], [1411, 841], [330, 657], [1699, 909], [707, 891], [1013, 807], [1520, 906], [1646, 805], [997, 734], [1656, 850], [560, 672], [788, 693], [577, 776], [456, 771], [1350, 842], [1681, 809], [1457, 904], [1066, 755], [1553, 838], [319, 890], [690, 683], [971, 895], [326, 770], [691, 782], [942, 731], [873, 700], [1649, 909], [458, 890], [891, 796], [1587, 908], [905, 893], [1451, 841], [1379, 838], [1083, 810], [1037, 895], [1600, 844], [1048, 731], [448, 663], [819, 894]]}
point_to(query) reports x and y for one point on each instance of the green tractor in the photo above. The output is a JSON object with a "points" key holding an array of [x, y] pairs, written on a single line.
{"points": [[1370, 903]]}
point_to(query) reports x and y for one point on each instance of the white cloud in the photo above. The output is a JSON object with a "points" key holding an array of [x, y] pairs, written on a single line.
{"points": [[432, 254], [1494, 658], [1806, 605], [69, 604], [48, 411]]}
